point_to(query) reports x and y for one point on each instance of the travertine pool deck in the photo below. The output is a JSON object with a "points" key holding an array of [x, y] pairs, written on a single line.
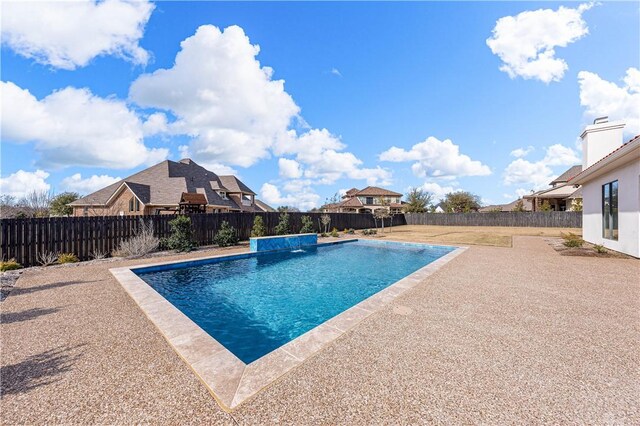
{"points": [[230, 380], [497, 335]]}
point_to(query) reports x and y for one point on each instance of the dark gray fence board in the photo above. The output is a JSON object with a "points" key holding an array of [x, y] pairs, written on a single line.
{"points": [[25, 239], [523, 219]]}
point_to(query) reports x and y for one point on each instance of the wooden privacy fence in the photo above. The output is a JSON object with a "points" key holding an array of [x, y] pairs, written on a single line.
{"points": [[24, 239], [525, 219]]}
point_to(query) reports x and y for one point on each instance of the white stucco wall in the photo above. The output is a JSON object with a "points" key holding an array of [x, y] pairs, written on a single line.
{"points": [[628, 177]]}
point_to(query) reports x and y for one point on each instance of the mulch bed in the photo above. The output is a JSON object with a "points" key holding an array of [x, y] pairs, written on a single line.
{"points": [[587, 250]]}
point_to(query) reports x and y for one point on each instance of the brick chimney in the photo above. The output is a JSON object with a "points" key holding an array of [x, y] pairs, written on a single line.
{"points": [[599, 139]]}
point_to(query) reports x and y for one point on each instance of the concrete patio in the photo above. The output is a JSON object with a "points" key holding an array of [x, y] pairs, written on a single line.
{"points": [[498, 335]]}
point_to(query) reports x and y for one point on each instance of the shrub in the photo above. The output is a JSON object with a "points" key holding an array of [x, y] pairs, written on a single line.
{"points": [[181, 238], [307, 225], [9, 265], [324, 235], [350, 231], [334, 233], [325, 219], [46, 258], [572, 240], [369, 232], [599, 248], [545, 206], [142, 243], [98, 254], [282, 228], [67, 258], [258, 227], [226, 235]]}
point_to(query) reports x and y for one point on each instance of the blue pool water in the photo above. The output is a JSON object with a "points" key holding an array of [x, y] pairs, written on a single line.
{"points": [[258, 302]]}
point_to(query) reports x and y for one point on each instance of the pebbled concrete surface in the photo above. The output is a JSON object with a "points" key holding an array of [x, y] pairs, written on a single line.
{"points": [[498, 335]]}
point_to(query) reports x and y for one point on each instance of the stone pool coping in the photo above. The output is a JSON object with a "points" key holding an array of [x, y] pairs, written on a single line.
{"points": [[229, 380]]}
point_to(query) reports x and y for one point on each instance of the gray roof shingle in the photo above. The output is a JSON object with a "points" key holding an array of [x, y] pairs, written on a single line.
{"points": [[164, 183]]}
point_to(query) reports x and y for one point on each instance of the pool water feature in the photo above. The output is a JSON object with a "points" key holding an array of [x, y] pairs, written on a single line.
{"points": [[255, 303]]}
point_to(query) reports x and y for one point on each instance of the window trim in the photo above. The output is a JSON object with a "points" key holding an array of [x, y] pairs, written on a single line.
{"points": [[610, 224]]}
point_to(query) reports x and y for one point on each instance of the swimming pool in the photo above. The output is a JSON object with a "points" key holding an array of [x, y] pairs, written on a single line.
{"points": [[255, 303]]}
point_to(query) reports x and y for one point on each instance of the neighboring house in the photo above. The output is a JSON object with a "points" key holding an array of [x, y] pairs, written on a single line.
{"points": [[610, 187], [561, 195], [526, 204], [170, 187], [366, 201]]}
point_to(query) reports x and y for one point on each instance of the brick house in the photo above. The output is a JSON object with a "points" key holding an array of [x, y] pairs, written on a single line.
{"points": [[366, 201], [170, 187]]}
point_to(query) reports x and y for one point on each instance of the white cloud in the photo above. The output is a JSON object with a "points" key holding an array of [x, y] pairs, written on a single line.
{"points": [[155, 124], [437, 190], [521, 192], [304, 199], [289, 169], [221, 96], [435, 158], [538, 174], [560, 155], [601, 97], [21, 183], [521, 171], [88, 185], [336, 72], [321, 153], [69, 34], [74, 127], [522, 152], [526, 42]]}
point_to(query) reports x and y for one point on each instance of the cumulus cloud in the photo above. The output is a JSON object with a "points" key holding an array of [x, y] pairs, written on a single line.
{"points": [[520, 171], [21, 183], [522, 152], [435, 158], [155, 123], [289, 169], [526, 42], [619, 102], [538, 174], [221, 96], [438, 190], [69, 34], [74, 127], [304, 199], [88, 185], [560, 155], [324, 160], [336, 72]]}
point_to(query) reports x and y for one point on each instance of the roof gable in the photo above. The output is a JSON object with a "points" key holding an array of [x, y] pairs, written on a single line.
{"points": [[374, 190]]}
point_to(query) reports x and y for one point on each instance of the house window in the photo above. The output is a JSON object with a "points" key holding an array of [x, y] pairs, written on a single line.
{"points": [[85, 211], [369, 200], [134, 204], [610, 210], [222, 194]]}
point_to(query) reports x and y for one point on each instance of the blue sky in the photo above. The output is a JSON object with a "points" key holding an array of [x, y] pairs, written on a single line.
{"points": [[484, 97]]}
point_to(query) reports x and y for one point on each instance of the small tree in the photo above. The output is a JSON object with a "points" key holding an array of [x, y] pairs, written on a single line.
{"points": [[38, 201], [325, 219], [307, 225], [291, 209], [381, 214], [545, 206], [576, 205], [181, 238], [258, 229], [60, 204], [461, 202], [418, 201], [519, 207], [282, 228], [226, 235]]}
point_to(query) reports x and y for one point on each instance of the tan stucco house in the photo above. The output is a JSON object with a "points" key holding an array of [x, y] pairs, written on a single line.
{"points": [[562, 195], [170, 187], [366, 200]]}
